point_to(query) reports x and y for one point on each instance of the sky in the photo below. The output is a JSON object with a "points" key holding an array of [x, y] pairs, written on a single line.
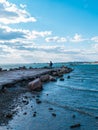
{"points": [[35, 31]]}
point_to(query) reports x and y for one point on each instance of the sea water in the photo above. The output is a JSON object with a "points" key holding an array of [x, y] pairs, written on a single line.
{"points": [[79, 92]]}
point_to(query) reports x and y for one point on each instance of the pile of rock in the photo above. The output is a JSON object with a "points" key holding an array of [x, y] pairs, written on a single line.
{"points": [[36, 84]]}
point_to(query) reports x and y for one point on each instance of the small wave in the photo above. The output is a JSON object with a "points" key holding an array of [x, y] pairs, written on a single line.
{"points": [[70, 108], [78, 89]]}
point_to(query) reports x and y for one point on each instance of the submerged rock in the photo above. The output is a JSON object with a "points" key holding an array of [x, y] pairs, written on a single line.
{"points": [[68, 77], [53, 114], [61, 79], [51, 109], [75, 125]]}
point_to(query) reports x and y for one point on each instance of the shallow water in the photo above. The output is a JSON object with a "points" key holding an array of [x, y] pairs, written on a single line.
{"points": [[80, 92]]}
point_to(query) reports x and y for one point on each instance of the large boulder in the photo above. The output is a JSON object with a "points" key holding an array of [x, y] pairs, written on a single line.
{"points": [[35, 85], [52, 78], [45, 78]]}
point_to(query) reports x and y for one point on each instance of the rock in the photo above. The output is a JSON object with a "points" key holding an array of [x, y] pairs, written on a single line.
{"points": [[61, 79], [73, 116], [63, 70], [25, 113], [9, 115], [33, 96], [38, 101], [0, 69], [68, 77], [60, 75], [76, 125], [52, 78], [45, 78], [25, 97], [38, 96], [53, 114], [34, 115], [25, 102], [50, 108], [35, 85], [55, 73], [30, 67]]}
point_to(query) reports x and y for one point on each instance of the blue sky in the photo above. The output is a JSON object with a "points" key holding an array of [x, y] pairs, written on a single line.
{"points": [[44, 30]]}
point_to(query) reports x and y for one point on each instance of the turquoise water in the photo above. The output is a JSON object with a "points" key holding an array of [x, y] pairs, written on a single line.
{"points": [[80, 92]]}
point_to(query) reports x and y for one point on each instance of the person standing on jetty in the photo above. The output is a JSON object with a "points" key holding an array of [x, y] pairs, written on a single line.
{"points": [[50, 64]]}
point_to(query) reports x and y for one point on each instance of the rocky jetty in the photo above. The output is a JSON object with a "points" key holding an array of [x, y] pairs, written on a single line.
{"points": [[11, 77]]}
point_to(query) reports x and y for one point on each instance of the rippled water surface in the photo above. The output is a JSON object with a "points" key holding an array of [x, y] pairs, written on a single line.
{"points": [[80, 92]]}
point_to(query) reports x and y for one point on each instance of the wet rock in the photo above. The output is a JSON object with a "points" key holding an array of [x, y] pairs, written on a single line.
{"points": [[60, 75], [25, 97], [61, 79], [4, 89], [35, 85], [52, 78], [50, 108], [45, 78], [0, 69], [38, 96], [34, 114], [33, 96], [54, 73], [75, 125], [25, 102], [25, 113], [73, 116], [53, 114], [68, 77], [38, 101], [9, 115], [30, 67]]}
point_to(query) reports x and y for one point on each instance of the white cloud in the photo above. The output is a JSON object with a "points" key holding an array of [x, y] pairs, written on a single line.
{"points": [[22, 5], [35, 53], [56, 39], [77, 38], [95, 39], [11, 35], [10, 13]]}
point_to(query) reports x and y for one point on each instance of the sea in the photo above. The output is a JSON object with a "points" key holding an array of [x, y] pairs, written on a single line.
{"points": [[78, 93]]}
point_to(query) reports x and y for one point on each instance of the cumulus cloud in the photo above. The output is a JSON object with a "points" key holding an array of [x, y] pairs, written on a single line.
{"points": [[7, 33], [56, 39], [10, 13], [35, 53], [77, 38], [95, 39], [11, 35]]}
